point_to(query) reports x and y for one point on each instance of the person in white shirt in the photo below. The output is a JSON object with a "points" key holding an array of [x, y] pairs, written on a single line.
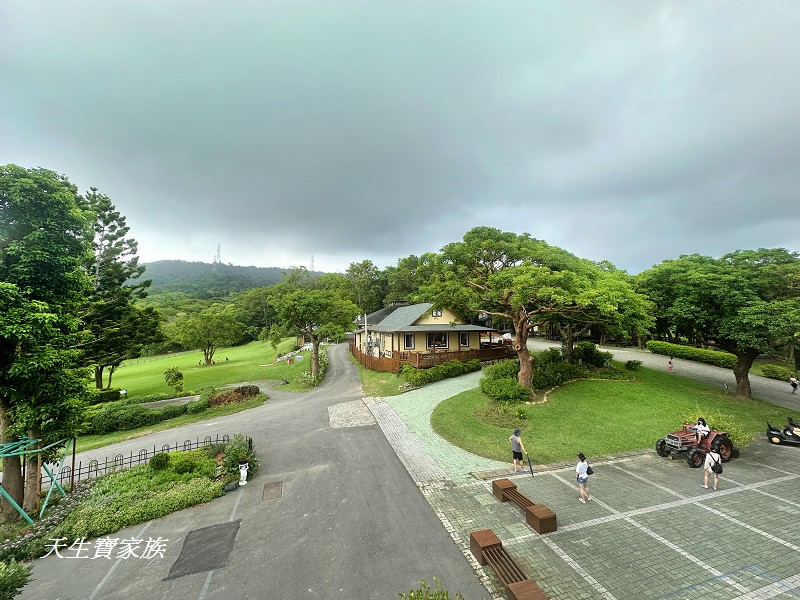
{"points": [[712, 458], [702, 429], [582, 477]]}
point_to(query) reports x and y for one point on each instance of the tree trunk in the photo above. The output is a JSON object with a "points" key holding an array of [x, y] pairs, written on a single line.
{"points": [[208, 354], [111, 370], [521, 328], [567, 341], [741, 370], [98, 377], [33, 477], [12, 471], [314, 357]]}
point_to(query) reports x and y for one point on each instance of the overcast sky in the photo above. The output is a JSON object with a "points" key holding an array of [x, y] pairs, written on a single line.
{"points": [[632, 132]]}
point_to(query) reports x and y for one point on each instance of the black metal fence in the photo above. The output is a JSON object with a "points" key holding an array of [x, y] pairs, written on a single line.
{"points": [[96, 468]]}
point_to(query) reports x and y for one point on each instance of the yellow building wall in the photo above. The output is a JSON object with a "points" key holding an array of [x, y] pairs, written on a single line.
{"points": [[446, 319]]}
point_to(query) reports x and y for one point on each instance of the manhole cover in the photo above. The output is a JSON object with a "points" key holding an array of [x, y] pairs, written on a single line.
{"points": [[272, 490]]}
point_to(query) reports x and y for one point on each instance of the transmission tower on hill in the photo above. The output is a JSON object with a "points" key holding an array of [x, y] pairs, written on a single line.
{"points": [[312, 264], [217, 260]]}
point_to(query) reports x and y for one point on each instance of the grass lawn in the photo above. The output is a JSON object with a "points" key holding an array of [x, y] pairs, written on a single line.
{"points": [[595, 417], [377, 384], [245, 363]]}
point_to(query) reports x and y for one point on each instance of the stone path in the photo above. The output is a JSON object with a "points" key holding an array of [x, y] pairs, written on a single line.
{"points": [[651, 531]]}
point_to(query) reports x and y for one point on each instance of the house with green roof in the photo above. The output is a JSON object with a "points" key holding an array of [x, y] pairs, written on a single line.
{"points": [[422, 335]]}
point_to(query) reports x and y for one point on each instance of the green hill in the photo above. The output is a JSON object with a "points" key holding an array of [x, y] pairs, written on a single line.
{"points": [[206, 280]]}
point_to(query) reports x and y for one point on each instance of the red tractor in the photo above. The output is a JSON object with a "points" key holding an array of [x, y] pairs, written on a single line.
{"points": [[686, 440]]}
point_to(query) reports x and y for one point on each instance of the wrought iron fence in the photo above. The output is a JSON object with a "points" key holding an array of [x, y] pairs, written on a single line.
{"points": [[95, 468]]}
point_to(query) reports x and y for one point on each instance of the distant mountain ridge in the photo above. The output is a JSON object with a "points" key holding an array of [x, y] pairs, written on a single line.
{"points": [[207, 280]]}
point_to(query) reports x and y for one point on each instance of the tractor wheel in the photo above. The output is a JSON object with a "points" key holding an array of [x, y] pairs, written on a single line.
{"points": [[695, 458], [724, 448], [775, 439], [661, 448]]}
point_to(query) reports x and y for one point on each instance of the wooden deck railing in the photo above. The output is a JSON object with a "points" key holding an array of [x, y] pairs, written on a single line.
{"points": [[422, 360]]}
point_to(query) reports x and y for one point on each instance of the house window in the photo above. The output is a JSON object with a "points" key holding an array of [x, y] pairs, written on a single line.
{"points": [[409, 341], [463, 338], [436, 313], [437, 340]]}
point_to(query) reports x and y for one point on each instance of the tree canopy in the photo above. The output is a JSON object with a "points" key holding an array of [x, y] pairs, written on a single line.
{"points": [[746, 302], [530, 283], [313, 311], [44, 243]]}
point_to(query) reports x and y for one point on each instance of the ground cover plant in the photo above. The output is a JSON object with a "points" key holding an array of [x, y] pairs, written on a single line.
{"points": [[595, 417], [169, 482]]}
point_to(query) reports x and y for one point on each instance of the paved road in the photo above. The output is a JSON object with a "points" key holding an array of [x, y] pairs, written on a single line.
{"points": [[350, 523]]}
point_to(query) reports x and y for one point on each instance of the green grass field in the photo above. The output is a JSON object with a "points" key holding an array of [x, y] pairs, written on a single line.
{"points": [[245, 363], [595, 417]]}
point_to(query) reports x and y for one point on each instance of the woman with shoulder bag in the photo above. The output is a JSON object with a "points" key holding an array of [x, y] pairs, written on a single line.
{"points": [[582, 477], [712, 464]]}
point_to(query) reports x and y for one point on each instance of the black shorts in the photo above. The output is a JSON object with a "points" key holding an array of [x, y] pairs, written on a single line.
{"points": [[517, 455]]}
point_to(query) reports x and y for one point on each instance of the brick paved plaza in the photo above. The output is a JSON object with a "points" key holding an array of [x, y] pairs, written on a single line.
{"points": [[651, 531]]}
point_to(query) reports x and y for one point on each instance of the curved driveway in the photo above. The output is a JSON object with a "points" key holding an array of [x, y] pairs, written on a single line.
{"points": [[350, 522]]}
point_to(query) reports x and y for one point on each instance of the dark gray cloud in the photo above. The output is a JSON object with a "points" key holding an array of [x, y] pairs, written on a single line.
{"points": [[627, 131]]}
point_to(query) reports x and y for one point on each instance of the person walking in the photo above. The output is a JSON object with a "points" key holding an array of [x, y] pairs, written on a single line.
{"points": [[793, 383], [582, 477], [517, 448], [712, 460], [669, 365]]}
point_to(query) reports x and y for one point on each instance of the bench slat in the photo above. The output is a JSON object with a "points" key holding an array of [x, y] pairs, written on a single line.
{"points": [[504, 566]]}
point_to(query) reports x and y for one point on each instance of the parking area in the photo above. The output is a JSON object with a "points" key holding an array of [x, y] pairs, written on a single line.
{"points": [[650, 531]]}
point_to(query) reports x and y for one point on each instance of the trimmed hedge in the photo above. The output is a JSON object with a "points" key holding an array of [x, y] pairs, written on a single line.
{"points": [[454, 368], [589, 354], [709, 357], [101, 396], [122, 418], [506, 390], [776, 372]]}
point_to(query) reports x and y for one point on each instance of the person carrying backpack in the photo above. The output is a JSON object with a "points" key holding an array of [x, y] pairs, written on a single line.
{"points": [[713, 464]]}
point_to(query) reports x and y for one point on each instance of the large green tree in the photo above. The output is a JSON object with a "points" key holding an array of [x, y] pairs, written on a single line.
{"points": [[44, 243], [218, 325], [312, 310], [120, 328], [526, 281], [747, 302], [367, 285]]}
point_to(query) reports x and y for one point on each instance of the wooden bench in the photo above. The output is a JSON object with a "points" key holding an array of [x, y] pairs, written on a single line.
{"points": [[488, 549], [538, 516]]}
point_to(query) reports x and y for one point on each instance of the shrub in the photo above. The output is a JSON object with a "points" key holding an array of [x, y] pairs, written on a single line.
{"points": [[633, 365], [505, 369], [174, 379], [589, 354], [553, 374], [197, 406], [546, 357], [240, 449], [101, 396], [248, 391], [710, 357], [505, 390], [159, 462], [170, 412], [13, 577], [229, 397], [776, 372], [453, 368]]}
